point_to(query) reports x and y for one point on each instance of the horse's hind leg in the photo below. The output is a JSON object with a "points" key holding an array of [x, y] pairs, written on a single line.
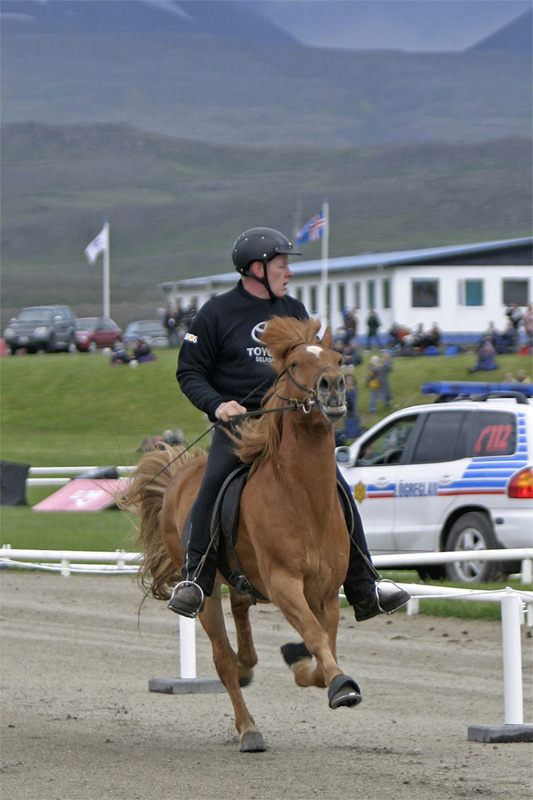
{"points": [[246, 655], [225, 659]]}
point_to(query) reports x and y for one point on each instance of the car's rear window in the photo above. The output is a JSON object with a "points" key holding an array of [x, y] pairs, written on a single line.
{"points": [[494, 434]]}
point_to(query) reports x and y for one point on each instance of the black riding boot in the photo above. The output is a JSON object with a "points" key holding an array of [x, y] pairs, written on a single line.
{"points": [[199, 569]]}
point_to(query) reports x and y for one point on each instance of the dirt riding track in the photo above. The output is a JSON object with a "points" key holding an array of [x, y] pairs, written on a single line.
{"points": [[78, 721]]}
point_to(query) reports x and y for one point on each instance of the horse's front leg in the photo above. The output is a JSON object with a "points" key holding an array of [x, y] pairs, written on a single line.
{"points": [[307, 671], [246, 655], [225, 659], [287, 593]]}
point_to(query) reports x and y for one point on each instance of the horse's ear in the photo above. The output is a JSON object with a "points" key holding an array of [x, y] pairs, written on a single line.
{"points": [[327, 339]]}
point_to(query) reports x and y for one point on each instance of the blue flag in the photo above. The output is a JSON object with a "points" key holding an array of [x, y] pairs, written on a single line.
{"points": [[313, 230]]}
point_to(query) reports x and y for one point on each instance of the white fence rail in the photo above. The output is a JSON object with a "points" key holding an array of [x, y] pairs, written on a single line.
{"points": [[397, 561], [60, 476]]}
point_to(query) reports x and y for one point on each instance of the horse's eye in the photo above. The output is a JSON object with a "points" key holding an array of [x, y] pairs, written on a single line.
{"points": [[293, 365]]}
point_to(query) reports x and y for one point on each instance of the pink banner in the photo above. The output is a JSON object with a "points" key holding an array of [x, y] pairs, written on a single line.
{"points": [[84, 494]]}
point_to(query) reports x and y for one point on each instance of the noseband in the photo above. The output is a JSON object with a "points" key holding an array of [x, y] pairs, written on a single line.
{"points": [[308, 402]]}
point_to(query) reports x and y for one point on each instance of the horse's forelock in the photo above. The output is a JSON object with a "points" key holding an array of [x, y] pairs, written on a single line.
{"points": [[283, 334]]}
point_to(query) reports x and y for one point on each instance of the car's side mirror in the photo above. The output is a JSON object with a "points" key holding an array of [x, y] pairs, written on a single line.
{"points": [[342, 455]]}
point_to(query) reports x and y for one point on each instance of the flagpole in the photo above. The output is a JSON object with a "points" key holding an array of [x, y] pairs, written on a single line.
{"points": [[107, 310], [325, 256]]}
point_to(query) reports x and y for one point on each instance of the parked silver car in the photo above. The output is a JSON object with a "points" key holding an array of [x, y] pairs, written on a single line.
{"points": [[149, 330], [48, 328]]}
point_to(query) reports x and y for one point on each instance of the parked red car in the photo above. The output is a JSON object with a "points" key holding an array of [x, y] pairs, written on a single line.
{"points": [[94, 332]]}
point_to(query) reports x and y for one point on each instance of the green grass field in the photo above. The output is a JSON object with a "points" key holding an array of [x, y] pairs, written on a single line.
{"points": [[78, 410]]}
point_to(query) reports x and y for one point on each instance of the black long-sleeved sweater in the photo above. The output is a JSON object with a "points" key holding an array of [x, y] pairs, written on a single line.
{"points": [[222, 358]]}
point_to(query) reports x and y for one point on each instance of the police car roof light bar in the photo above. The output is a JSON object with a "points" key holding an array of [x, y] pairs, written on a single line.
{"points": [[470, 388]]}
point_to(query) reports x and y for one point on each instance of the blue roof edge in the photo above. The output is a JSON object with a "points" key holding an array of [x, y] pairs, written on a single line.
{"points": [[369, 260]]}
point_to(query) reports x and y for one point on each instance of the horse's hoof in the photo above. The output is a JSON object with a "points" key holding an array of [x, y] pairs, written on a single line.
{"points": [[294, 651], [343, 691], [246, 677], [253, 742]]}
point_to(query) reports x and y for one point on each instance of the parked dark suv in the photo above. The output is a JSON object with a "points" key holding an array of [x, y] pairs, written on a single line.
{"points": [[49, 328]]}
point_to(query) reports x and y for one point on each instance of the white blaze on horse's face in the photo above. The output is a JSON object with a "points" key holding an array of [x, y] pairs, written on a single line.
{"points": [[314, 349]]}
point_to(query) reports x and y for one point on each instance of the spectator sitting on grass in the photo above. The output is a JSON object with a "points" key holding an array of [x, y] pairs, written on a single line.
{"points": [[508, 340], [120, 354], [486, 360], [142, 351], [522, 376], [432, 337]]}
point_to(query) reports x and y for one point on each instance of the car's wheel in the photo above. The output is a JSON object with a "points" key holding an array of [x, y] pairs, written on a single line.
{"points": [[51, 345], [473, 531]]}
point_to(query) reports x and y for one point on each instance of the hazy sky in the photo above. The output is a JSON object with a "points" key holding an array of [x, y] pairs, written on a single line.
{"points": [[420, 25]]}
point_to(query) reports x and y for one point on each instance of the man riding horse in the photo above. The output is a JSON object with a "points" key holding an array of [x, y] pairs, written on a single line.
{"points": [[222, 359]]}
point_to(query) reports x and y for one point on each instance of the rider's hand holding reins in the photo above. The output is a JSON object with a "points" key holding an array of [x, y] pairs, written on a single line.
{"points": [[226, 411]]}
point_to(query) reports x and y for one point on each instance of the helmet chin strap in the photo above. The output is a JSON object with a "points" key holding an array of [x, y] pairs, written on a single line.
{"points": [[264, 280]]}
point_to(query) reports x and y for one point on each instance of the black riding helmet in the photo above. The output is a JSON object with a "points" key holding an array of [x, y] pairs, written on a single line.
{"points": [[260, 244]]}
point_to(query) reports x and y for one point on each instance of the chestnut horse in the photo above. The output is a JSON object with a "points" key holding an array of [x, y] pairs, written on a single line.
{"points": [[293, 542]]}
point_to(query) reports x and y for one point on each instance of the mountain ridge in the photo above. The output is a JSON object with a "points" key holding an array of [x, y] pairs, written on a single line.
{"points": [[260, 93], [227, 18]]}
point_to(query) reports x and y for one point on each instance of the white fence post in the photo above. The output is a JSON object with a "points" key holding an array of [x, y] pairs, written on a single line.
{"points": [[527, 570], [187, 648], [512, 658]]}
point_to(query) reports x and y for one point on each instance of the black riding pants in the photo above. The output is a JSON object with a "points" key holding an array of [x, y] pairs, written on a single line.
{"points": [[201, 558]]}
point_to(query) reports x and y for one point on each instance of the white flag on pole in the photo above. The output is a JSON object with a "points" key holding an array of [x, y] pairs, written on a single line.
{"points": [[98, 245]]}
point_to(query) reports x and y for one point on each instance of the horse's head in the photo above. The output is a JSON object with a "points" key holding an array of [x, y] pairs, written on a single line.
{"points": [[308, 369]]}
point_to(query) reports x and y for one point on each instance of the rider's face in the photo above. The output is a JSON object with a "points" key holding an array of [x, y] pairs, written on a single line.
{"points": [[279, 273]]}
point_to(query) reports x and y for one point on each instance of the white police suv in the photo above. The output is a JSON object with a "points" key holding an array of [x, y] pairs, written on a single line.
{"points": [[456, 474]]}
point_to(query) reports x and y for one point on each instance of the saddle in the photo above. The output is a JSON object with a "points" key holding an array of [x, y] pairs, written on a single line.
{"points": [[225, 523], [224, 527]]}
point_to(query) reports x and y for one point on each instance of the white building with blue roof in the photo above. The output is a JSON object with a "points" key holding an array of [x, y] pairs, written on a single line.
{"points": [[461, 288]]}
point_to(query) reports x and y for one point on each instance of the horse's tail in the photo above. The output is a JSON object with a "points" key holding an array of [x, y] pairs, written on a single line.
{"points": [[144, 497]]}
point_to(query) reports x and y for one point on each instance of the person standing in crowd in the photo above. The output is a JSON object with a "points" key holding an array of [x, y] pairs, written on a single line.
{"points": [[170, 323], [222, 374], [373, 323], [514, 313], [373, 381], [528, 326], [385, 390]]}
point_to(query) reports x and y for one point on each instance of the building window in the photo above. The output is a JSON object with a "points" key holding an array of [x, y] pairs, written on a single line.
{"points": [[341, 295], [357, 294], [386, 292], [424, 293], [371, 287], [313, 300], [515, 291], [299, 293], [470, 293]]}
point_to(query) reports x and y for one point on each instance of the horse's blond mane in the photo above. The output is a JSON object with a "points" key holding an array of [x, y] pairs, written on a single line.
{"points": [[259, 438]]}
